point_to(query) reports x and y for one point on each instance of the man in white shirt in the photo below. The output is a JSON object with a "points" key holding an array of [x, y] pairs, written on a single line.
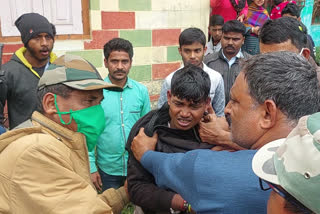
{"points": [[215, 32], [192, 48]]}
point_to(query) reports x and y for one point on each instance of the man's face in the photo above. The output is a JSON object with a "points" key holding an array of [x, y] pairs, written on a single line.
{"points": [[284, 46], [231, 43], [276, 204], [185, 114], [77, 100], [192, 54], [40, 46], [118, 64], [216, 33], [243, 113]]}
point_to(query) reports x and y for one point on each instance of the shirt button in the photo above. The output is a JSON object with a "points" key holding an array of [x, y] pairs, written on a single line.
{"points": [[121, 98], [122, 124], [121, 112]]}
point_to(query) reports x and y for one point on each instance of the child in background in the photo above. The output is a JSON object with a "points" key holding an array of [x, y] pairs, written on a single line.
{"points": [[277, 9], [257, 16]]}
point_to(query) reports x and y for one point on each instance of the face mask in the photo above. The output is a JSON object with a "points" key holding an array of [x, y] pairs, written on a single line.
{"points": [[90, 122], [301, 51]]}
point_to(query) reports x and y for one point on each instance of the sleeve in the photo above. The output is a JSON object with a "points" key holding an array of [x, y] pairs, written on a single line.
{"points": [[218, 102], [3, 95], [171, 171], [141, 184], [163, 93], [92, 161], [46, 177], [245, 10], [115, 198], [146, 103]]}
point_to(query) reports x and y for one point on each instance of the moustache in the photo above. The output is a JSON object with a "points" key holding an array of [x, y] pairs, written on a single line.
{"points": [[230, 46], [228, 118], [120, 71]]}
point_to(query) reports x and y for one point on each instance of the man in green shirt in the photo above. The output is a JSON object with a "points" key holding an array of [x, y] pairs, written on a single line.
{"points": [[122, 110]]}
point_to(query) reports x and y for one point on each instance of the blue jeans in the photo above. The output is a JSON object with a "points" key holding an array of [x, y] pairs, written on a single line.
{"points": [[111, 181], [2, 130]]}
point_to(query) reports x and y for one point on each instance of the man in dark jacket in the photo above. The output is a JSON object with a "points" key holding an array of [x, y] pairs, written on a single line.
{"points": [[176, 123], [23, 71], [226, 61]]}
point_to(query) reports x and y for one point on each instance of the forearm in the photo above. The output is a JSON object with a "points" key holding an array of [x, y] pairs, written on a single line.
{"points": [[143, 191]]}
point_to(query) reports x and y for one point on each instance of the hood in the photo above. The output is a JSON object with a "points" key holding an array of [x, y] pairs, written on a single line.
{"points": [[19, 57]]}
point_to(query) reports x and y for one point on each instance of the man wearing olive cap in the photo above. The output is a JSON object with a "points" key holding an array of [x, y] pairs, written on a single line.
{"points": [[44, 165]]}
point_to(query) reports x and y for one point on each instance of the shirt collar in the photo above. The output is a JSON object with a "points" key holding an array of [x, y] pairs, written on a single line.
{"points": [[128, 83], [239, 55]]}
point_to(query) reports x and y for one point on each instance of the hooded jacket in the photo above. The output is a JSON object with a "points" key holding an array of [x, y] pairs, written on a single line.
{"points": [[20, 83], [44, 168], [141, 184]]}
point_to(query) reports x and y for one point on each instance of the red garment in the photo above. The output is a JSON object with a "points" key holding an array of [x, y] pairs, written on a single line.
{"points": [[276, 11], [225, 9]]}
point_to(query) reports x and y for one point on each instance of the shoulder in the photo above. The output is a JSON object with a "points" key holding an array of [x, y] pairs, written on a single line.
{"points": [[213, 74], [33, 149], [211, 57], [137, 85]]}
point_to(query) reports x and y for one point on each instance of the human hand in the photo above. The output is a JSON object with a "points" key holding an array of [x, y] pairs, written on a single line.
{"points": [[96, 180], [241, 18], [255, 30], [142, 143]]}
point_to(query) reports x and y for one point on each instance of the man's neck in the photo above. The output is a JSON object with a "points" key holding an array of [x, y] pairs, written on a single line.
{"points": [[214, 43], [228, 56], [33, 61], [275, 133], [120, 83]]}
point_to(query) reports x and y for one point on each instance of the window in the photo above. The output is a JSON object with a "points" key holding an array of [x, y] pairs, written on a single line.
{"points": [[71, 17]]}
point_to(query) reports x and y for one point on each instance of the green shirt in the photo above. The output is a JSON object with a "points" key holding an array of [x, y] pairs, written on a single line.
{"points": [[122, 110]]}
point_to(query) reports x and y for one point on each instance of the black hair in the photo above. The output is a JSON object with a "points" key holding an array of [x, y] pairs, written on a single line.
{"points": [[286, 78], [192, 35], [118, 44], [291, 9], [283, 29], [216, 20], [191, 83], [276, 2], [234, 26]]}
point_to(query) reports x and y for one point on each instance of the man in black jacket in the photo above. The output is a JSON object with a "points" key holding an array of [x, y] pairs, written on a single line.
{"points": [[23, 71], [176, 123]]}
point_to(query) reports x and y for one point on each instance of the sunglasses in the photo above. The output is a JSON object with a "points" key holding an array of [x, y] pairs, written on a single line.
{"points": [[265, 186]]}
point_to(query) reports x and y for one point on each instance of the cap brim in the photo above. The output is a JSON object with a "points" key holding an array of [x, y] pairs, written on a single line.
{"points": [[92, 84], [263, 164]]}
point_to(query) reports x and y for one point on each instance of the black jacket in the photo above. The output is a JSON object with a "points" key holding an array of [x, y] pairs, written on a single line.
{"points": [[19, 88], [141, 184]]}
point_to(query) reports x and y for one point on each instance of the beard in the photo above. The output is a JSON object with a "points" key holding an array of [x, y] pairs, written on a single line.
{"points": [[35, 54]]}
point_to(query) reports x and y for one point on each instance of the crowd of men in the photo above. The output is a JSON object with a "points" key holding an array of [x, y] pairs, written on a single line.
{"points": [[229, 127]]}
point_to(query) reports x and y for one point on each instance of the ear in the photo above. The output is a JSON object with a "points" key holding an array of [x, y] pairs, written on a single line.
{"points": [[306, 53], [179, 49], [268, 114], [169, 96], [105, 62], [299, 19], [208, 102], [48, 105], [205, 49]]}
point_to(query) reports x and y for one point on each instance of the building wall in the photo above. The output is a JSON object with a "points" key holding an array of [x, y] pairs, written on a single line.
{"points": [[306, 18], [152, 26]]}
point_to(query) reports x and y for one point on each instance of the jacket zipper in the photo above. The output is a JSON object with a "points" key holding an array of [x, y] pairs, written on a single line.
{"points": [[124, 135]]}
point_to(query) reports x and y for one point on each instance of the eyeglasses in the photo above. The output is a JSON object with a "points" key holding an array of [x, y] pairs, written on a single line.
{"points": [[265, 186]]}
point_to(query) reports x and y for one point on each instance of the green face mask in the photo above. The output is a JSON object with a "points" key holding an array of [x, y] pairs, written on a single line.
{"points": [[91, 122]]}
